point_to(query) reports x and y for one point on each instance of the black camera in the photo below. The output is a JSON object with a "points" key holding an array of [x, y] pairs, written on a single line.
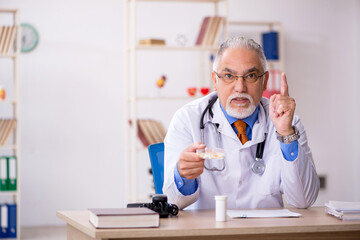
{"points": [[159, 204]]}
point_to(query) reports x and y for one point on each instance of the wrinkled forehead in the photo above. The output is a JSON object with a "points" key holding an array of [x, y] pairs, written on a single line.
{"points": [[240, 60]]}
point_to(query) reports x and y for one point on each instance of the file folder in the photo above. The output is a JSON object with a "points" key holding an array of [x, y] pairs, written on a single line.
{"points": [[11, 220], [3, 221], [270, 42], [3, 174], [12, 173]]}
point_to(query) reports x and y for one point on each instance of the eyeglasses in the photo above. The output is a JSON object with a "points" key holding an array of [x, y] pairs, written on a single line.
{"points": [[248, 78]]}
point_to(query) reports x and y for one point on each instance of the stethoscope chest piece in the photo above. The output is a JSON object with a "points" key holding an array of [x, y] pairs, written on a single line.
{"points": [[258, 166]]}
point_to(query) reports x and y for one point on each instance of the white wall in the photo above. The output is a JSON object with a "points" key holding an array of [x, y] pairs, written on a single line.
{"points": [[72, 106]]}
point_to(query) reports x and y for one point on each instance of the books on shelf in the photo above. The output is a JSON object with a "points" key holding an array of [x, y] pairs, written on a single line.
{"points": [[8, 173], [8, 220], [346, 211], [210, 31], [123, 217], [6, 128], [7, 39], [151, 41], [150, 131]]}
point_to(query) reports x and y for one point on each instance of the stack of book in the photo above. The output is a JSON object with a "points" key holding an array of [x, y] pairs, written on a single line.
{"points": [[7, 39], [343, 210], [210, 30], [6, 128], [151, 41], [150, 131]]}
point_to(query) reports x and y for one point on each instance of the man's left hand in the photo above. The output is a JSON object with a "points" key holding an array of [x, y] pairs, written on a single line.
{"points": [[282, 108]]}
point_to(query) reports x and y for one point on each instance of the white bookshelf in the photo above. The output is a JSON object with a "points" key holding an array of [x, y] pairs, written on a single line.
{"points": [[12, 145], [130, 74]]}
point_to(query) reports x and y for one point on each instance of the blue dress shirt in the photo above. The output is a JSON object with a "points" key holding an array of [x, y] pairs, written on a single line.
{"points": [[289, 151]]}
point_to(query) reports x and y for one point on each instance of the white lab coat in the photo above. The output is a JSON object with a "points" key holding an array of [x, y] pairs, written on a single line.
{"points": [[297, 180]]}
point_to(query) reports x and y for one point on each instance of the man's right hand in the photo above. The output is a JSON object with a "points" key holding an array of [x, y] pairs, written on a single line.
{"points": [[190, 165]]}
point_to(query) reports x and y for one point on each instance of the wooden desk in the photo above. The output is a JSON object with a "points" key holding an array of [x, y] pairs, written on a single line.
{"points": [[314, 224]]}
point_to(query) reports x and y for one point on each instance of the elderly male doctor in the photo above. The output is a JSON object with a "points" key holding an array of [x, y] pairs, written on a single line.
{"points": [[238, 121]]}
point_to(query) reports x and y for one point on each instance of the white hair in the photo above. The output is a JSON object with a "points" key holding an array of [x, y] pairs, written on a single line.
{"points": [[240, 42]]}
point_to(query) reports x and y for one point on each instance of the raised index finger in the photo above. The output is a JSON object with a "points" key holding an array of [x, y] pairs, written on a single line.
{"points": [[284, 89]]}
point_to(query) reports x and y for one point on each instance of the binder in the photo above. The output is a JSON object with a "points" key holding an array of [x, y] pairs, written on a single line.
{"points": [[3, 173], [11, 233], [3, 221], [271, 45], [12, 173]]}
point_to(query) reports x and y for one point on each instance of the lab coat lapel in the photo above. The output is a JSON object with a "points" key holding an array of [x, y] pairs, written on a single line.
{"points": [[224, 125], [260, 127]]}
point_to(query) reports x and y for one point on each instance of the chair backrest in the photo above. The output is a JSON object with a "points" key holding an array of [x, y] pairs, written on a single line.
{"points": [[156, 153]]}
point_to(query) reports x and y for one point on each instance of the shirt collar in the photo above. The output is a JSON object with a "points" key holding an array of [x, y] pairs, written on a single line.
{"points": [[250, 120]]}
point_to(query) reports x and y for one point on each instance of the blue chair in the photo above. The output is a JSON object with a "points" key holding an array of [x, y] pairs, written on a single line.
{"points": [[156, 153]]}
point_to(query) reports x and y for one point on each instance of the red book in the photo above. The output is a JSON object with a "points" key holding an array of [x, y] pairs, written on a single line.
{"points": [[202, 31]]}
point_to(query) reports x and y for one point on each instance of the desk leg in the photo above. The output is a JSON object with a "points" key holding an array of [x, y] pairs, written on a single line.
{"points": [[74, 234]]}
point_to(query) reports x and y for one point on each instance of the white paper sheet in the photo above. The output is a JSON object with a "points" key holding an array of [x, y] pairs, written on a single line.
{"points": [[262, 213]]}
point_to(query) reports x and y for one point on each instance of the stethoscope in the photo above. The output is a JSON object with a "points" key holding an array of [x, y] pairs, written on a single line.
{"points": [[258, 165]]}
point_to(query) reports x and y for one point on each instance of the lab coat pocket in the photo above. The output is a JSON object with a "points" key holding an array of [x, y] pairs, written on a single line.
{"points": [[264, 188], [269, 182]]}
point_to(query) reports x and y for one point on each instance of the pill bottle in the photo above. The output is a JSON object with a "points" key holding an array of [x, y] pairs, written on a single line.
{"points": [[220, 208]]}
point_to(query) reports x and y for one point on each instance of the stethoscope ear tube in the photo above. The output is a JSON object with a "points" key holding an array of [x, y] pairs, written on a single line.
{"points": [[208, 107]]}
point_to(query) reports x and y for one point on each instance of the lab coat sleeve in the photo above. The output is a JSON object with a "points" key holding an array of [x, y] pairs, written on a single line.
{"points": [[299, 180], [179, 137]]}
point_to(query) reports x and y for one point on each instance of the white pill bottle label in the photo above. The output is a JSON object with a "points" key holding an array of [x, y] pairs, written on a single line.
{"points": [[220, 208]]}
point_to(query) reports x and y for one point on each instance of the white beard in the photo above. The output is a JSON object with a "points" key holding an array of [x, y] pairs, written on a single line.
{"points": [[243, 113]]}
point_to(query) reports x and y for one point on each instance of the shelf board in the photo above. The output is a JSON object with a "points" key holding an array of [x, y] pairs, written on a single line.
{"points": [[7, 147], [188, 1], [8, 10], [13, 56], [144, 98], [253, 23], [8, 102], [8, 193], [174, 48]]}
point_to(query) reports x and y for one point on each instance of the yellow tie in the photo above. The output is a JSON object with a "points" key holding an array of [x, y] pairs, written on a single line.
{"points": [[241, 128]]}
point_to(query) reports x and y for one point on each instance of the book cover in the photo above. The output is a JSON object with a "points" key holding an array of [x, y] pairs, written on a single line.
{"points": [[123, 217], [154, 131], [4, 32], [11, 41], [3, 221], [152, 41], [6, 39], [150, 131], [11, 220], [218, 31], [144, 129], [6, 128], [202, 31], [213, 31], [142, 136], [3, 174], [344, 215], [343, 206], [271, 45], [12, 173], [208, 32], [347, 211]]}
